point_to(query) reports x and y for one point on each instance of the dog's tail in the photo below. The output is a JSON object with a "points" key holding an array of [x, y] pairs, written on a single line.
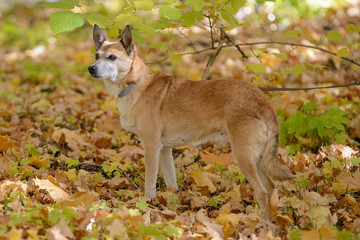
{"points": [[269, 160]]}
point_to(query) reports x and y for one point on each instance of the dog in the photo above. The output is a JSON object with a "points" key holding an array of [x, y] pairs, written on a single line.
{"points": [[166, 112]]}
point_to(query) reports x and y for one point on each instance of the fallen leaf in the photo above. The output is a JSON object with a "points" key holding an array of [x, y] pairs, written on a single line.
{"points": [[60, 231], [55, 192], [224, 159], [229, 221], [202, 180], [320, 216]]}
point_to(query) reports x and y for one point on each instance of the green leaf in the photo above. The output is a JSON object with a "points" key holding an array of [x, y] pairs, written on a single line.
{"points": [[355, 161], [298, 69], [142, 205], [170, 12], [189, 18], [229, 18], [60, 4], [343, 52], [256, 68], [175, 59], [317, 66], [134, 212], [310, 106], [334, 36], [65, 21], [212, 203], [197, 5], [98, 19], [144, 4], [294, 234], [138, 38], [237, 4], [294, 34], [351, 28], [162, 23], [171, 230], [71, 162], [280, 56]]}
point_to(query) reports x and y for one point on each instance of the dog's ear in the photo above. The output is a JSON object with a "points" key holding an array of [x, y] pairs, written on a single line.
{"points": [[98, 36], [127, 40]]}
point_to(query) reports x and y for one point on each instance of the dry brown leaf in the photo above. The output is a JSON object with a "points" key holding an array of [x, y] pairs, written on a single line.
{"points": [[55, 192], [229, 221], [310, 235], [328, 233], [202, 180], [60, 231], [225, 159], [73, 139], [6, 187], [118, 229], [320, 216]]}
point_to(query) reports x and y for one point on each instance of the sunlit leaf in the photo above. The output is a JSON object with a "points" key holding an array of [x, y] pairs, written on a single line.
{"points": [[343, 52], [175, 59], [351, 28], [256, 68], [144, 4], [280, 56], [60, 4], [334, 36], [294, 34], [65, 21]]}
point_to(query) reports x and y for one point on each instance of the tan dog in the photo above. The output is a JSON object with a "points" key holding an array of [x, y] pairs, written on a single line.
{"points": [[167, 112]]}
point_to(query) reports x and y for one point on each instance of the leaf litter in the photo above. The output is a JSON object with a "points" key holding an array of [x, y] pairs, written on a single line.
{"points": [[61, 147]]}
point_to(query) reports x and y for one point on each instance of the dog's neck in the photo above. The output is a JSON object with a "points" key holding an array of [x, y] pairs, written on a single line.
{"points": [[137, 72]]}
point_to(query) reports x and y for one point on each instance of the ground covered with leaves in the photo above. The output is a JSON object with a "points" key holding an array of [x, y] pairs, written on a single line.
{"points": [[67, 166]]}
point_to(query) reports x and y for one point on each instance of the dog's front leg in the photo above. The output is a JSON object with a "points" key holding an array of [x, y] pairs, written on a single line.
{"points": [[168, 168], [152, 156]]}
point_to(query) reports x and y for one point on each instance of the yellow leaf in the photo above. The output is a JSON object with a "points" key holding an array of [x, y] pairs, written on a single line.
{"points": [[202, 181], [328, 233], [5, 143], [310, 235], [229, 221], [15, 234], [38, 161], [320, 216]]}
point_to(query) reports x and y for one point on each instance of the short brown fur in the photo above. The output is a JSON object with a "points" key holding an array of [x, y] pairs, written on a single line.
{"points": [[167, 112]]}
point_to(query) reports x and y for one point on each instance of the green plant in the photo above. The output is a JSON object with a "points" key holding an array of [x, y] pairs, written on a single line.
{"points": [[311, 127]]}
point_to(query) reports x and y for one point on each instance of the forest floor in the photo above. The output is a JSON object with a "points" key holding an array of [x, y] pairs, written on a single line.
{"points": [[61, 144]]}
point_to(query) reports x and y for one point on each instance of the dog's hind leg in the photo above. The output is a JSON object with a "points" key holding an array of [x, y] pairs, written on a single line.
{"points": [[247, 141], [168, 168]]}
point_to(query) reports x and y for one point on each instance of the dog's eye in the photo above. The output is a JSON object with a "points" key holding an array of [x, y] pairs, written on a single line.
{"points": [[112, 57], [97, 56]]}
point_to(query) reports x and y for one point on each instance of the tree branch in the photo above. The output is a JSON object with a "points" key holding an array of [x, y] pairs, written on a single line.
{"points": [[213, 56], [269, 43]]}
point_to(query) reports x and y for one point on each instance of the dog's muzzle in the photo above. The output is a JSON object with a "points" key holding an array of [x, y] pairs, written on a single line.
{"points": [[92, 70]]}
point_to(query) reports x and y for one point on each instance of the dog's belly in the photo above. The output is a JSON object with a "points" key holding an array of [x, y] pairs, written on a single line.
{"points": [[192, 138]]}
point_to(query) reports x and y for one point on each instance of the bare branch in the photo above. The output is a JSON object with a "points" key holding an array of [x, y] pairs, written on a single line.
{"points": [[229, 41], [213, 56], [269, 43]]}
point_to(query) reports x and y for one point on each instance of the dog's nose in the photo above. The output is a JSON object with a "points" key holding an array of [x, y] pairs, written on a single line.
{"points": [[92, 69]]}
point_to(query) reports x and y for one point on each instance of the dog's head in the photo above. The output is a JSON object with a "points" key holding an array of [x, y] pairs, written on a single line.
{"points": [[113, 59]]}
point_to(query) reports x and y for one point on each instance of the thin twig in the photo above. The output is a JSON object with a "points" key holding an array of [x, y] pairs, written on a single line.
{"points": [[265, 42], [213, 56], [128, 177], [230, 41], [191, 43]]}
